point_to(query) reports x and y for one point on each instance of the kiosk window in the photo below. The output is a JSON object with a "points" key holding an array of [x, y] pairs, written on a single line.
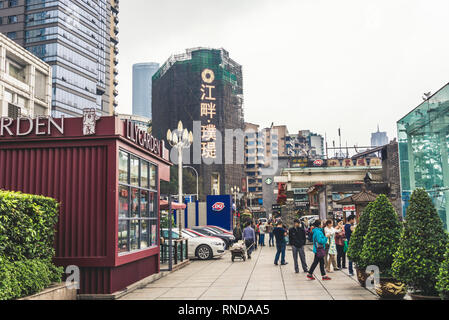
{"points": [[138, 211]]}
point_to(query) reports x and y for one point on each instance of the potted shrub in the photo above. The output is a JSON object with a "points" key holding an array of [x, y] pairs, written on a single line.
{"points": [[421, 249], [380, 243], [356, 245], [443, 278]]}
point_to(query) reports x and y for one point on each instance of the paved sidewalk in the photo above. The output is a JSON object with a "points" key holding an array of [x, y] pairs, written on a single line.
{"points": [[256, 279]]}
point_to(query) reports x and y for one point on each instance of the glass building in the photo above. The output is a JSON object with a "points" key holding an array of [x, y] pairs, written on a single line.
{"points": [[142, 88], [423, 151], [77, 38]]}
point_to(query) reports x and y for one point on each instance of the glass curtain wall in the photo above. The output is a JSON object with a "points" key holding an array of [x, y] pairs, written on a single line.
{"points": [[423, 151]]}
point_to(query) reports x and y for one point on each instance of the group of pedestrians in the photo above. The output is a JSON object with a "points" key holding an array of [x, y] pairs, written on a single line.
{"points": [[330, 243], [329, 247]]}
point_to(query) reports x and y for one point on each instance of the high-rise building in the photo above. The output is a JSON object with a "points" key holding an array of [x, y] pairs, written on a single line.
{"points": [[204, 86], [25, 82], [305, 144], [254, 162], [378, 138], [275, 143], [78, 39], [142, 88]]}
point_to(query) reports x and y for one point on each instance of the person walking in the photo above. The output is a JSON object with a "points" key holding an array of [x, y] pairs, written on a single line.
{"points": [[319, 247], [249, 237], [297, 239], [279, 234], [238, 233], [329, 232], [262, 234], [254, 226], [269, 231], [340, 238], [349, 228]]}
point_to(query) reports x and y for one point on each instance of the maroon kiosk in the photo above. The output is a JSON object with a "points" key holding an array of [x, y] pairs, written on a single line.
{"points": [[106, 174]]}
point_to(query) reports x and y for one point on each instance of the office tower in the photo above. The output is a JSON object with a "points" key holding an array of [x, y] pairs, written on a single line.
{"points": [[78, 39], [379, 138], [203, 86], [254, 162], [142, 88]]}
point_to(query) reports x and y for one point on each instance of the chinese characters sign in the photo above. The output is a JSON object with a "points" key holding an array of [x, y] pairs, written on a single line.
{"points": [[208, 113]]}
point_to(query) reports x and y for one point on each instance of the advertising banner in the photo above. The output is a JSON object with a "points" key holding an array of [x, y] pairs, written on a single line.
{"points": [[219, 211]]}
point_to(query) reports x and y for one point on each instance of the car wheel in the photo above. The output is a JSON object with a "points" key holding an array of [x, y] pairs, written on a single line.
{"points": [[204, 252]]}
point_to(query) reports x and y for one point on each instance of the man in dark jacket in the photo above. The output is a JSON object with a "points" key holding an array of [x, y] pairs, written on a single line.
{"points": [[297, 239]]}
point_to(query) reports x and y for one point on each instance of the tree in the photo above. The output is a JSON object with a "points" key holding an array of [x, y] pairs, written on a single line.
{"points": [[357, 237], [443, 277], [188, 182], [422, 247], [382, 238]]}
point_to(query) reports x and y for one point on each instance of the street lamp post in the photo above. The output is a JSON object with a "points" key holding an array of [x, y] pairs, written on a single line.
{"points": [[251, 197], [180, 139], [235, 190], [197, 177]]}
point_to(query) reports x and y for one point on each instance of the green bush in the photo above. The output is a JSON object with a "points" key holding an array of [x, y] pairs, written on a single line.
{"points": [[443, 278], [382, 238], [27, 233], [422, 247], [357, 238], [23, 278], [27, 226]]}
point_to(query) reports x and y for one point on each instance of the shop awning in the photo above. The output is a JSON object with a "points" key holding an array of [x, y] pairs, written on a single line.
{"points": [[174, 205]]}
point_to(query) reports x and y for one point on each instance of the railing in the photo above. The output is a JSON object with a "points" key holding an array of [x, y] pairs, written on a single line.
{"points": [[179, 250]]}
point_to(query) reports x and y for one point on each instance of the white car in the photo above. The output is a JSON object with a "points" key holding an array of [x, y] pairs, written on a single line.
{"points": [[199, 246]]}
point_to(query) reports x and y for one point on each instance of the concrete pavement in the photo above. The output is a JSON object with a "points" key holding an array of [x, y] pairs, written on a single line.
{"points": [[256, 279]]}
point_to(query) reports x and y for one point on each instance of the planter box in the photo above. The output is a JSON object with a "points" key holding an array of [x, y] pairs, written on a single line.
{"points": [[57, 291]]}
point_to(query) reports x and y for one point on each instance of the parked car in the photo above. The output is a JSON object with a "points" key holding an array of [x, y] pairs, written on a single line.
{"points": [[207, 231], [263, 220], [200, 247], [220, 229]]}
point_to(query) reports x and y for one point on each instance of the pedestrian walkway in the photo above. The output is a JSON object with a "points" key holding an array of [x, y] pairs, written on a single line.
{"points": [[256, 279]]}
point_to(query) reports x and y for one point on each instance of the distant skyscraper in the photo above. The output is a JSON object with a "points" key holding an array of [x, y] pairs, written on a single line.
{"points": [[142, 88], [379, 138], [78, 39]]}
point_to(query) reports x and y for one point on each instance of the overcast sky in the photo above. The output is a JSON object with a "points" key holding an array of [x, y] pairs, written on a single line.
{"points": [[309, 64]]}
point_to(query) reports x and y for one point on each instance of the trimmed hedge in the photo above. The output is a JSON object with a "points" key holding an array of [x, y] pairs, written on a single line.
{"points": [[382, 238], [358, 236], [27, 233], [443, 277], [23, 278], [422, 247]]}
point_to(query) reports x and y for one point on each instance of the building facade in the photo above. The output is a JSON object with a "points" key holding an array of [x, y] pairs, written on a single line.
{"points": [[78, 38], [25, 82], [423, 152], [254, 163], [204, 89], [142, 88], [379, 138]]}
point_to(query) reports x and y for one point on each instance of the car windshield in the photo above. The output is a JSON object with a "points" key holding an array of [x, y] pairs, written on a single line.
{"points": [[212, 230], [190, 234], [217, 231], [202, 231], [174, 234]]}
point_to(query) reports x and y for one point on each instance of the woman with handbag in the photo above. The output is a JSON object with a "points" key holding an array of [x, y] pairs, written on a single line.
{"points": [[319, 248], [340, 239]]}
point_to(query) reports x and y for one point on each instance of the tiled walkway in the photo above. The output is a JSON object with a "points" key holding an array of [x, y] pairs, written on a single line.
{"points": [[256, 279]]}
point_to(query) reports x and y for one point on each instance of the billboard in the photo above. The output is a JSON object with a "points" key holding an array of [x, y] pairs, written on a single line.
{"points": [[219, 211]]}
